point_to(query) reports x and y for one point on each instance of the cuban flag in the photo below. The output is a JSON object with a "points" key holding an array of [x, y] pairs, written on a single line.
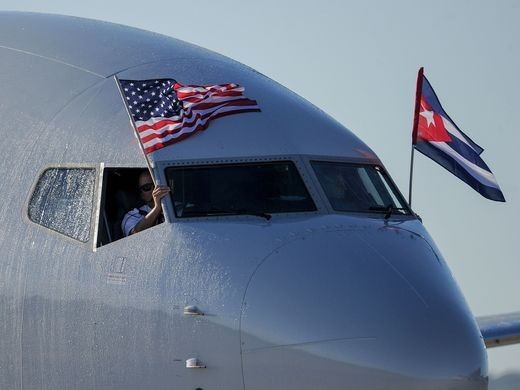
{"points": [[436, 136]]}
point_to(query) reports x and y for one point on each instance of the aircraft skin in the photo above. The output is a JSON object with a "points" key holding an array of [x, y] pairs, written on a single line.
{"points": [[309, 300]]}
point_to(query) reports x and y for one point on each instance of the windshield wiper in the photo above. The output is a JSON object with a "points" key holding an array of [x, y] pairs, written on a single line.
{"points": [[387, 209], [242, 212]]}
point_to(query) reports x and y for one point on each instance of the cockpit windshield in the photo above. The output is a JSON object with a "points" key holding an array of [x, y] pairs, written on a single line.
{"points": [[359, 188], [238, 189]]}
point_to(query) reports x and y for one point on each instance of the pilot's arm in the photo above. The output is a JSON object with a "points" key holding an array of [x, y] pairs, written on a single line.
{"points": [[150, 219]]}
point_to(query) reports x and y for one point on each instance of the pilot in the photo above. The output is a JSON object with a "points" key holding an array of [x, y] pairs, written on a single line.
{"points": [[345, 193], [150, 213]]}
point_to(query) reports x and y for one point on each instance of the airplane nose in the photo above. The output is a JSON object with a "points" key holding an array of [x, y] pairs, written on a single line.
{"points": [[365, 308]]}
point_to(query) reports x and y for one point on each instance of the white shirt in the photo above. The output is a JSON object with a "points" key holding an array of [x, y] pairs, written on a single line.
{"points": [[133, 217]]}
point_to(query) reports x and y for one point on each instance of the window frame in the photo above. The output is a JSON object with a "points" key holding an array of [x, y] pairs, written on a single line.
{"points": [[106, 170], [90, 243], [296, 160], [358, 162]]}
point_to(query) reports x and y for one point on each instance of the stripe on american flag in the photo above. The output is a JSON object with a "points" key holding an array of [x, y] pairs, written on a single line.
{"points": [[179, 111], [171, 133]]}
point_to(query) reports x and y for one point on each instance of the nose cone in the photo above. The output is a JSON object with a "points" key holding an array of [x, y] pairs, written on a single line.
{"points": [[373, 307]]}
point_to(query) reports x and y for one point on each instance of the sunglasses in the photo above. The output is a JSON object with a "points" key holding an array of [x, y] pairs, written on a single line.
{"points": [[146, 187]]}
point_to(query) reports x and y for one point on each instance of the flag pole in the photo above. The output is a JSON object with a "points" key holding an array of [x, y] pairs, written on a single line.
{"points": [[136, 133], [418, 93], [148, 162], [411, 178]]}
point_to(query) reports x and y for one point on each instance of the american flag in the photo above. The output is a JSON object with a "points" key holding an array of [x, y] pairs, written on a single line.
{"points": [[166, 112]]}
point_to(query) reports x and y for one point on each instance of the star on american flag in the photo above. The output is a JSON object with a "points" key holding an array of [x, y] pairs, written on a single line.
{"points": [[166, 112]]}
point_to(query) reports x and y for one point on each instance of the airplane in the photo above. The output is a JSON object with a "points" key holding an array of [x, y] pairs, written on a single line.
{"points": [[265, 274]]}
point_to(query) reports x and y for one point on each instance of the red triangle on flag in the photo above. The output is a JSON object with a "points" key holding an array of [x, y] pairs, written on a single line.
{"points": [[431, 126]]}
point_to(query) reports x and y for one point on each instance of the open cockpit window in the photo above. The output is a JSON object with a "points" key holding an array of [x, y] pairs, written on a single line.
{"points": [[120, 195], [238, 189], [359, 188], [63, 201]]}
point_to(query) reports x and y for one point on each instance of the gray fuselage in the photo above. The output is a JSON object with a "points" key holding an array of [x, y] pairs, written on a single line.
{"points": [[307, 300]]}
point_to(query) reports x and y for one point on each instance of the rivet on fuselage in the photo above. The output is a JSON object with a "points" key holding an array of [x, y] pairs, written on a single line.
{"points": [[192, 311], [194, 363]]}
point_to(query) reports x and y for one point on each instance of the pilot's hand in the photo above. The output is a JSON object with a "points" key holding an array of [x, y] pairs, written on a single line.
{"points": [[158, 193]]}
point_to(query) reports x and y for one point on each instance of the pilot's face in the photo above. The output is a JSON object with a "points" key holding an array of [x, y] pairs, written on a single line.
{"points": [[146, 186]]}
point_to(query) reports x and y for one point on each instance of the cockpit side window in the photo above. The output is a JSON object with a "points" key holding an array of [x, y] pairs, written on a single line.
{"points": [[358, 188], [238, 189], [63, 201], [119, 195]]}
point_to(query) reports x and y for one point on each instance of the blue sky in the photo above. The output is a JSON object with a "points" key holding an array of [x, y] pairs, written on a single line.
{"points": [[358, 62]]}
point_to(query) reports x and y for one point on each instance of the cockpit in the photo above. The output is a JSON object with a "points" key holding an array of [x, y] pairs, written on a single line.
{"points": [[277, 187], [97, 197], [358, 188], [258, 189]]}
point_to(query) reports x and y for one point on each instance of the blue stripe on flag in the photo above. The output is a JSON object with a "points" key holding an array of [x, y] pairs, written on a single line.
{"points": [[453, 166], [467, 152], [431, 97]]}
